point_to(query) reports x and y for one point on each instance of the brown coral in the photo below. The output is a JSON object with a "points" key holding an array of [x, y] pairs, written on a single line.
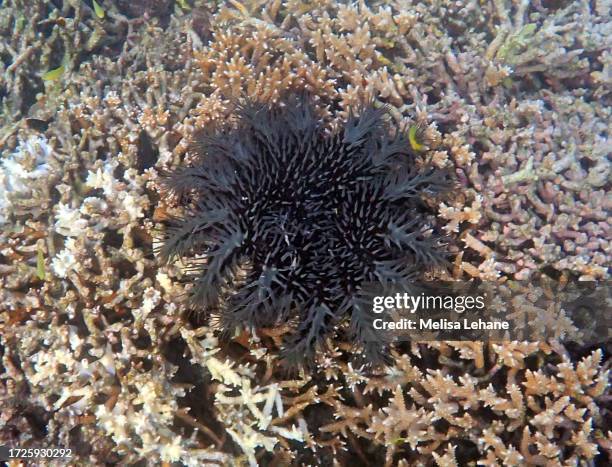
{"points": [[520, 91]]}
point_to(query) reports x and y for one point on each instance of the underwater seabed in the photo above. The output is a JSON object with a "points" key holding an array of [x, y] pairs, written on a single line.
{"points": [[105, 352]]}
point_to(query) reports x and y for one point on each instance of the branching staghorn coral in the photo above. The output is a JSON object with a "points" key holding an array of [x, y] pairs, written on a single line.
{"points": [[43, 42], [428, 412], [526, 131], [399, 53], [542, 46]]}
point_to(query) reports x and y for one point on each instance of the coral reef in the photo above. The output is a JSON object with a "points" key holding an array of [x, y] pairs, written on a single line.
{"points": [[24, 179], [96, 350], [44, 41]]}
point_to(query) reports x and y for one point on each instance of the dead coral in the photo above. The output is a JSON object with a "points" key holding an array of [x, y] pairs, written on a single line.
{"points": [[43, 43]]}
